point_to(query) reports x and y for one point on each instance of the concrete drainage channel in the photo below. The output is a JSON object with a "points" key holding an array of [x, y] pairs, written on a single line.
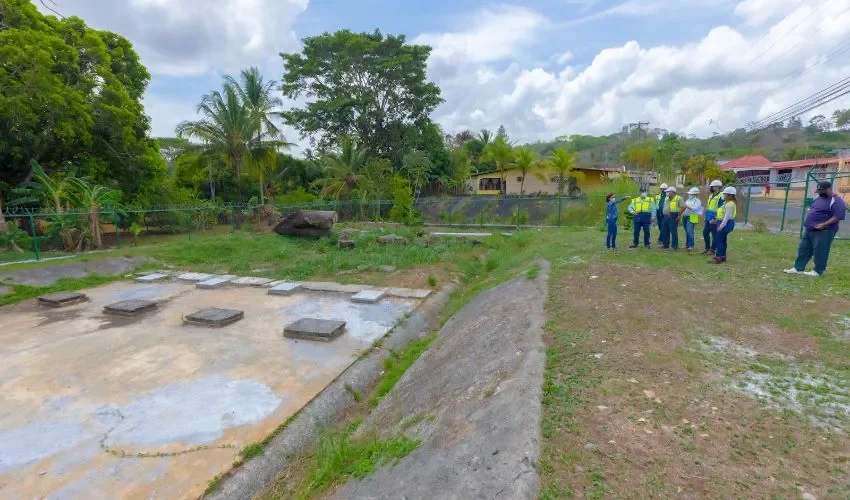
{"points": [[251, 477]]}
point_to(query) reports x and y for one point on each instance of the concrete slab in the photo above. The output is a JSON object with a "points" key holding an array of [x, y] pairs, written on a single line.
{"points": [[284, 289], [130, 307], [196, 277], [62, 299], [84, 394], [409, 293], [214, 317], [250, 281], [272, 284], [152, 278], [324, 286], [323, 330], [462, 235], [368, 296], [216, 282]]}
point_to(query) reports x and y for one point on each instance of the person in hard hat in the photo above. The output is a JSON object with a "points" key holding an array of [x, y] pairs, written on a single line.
{"points": [[670, 211], [726, 223], [821, 227], [690, 216], [611, 215], [709, 232], [660, 199], [642, 208]]}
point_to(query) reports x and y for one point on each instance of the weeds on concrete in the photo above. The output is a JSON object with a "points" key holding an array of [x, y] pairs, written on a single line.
{"points": [[24, 292], [396, 364]]}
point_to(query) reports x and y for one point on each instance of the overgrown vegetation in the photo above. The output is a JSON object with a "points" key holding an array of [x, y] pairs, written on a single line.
{"points": [[397, 364], [24, 292]]}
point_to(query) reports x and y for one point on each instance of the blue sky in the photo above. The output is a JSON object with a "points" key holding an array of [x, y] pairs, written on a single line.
{"points": [[543, 68]]}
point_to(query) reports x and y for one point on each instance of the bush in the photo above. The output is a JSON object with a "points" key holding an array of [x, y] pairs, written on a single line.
{"points": [[759, 226], [298, 197], [593, 211], [402, 210]]}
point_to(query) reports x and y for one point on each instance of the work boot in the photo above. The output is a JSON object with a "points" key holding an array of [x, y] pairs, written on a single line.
{"points": [[634, 246]]}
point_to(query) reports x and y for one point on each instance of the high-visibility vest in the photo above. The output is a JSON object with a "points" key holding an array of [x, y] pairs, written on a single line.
{"points": [[714, 202], [641, 205], [674, 203], [721, 212], [693, 217]]}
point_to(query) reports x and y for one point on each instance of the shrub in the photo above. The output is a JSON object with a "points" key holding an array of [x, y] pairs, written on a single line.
{"points": [[402, 210]]}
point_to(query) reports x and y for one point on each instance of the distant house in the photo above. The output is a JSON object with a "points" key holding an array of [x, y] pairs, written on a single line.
{"points": [[759, 172], [490, 183]]}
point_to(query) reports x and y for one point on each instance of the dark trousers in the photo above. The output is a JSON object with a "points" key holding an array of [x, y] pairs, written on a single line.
{"points": [[611, 239], [709, 234], [722, 239], [814, 244], [670, 230], [659, 220], [642, 225]]}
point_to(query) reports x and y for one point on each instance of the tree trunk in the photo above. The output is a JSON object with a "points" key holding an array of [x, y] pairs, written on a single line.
{"points": [[262, 189], [94, 226], [238, 213]]}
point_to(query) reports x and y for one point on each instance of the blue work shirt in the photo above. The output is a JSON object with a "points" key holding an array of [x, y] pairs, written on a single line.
{"points": [[613, 213], [823, 209]]}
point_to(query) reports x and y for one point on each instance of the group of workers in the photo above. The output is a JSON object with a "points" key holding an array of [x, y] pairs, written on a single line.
{"points": [[670, 210]]}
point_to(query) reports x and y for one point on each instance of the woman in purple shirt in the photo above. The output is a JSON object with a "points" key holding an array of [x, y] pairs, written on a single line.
{"points": [[821, 226]]}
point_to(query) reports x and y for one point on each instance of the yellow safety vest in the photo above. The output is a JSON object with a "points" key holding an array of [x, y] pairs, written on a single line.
{"points": [[713, 202], [674, 203], [721, 212], [693, 218], [641, 205]]}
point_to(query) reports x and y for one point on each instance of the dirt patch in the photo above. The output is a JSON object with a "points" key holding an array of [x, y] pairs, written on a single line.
{"points": [[643, 397], [415, 277]]}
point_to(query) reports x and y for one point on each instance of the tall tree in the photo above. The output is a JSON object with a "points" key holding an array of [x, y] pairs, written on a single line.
{"points": [[503, 133], [365, 85], [227, 127], [561, 166], [342, 171], [841, 118], [485, 136], [501, 154], [526, 162], [265, 108]]}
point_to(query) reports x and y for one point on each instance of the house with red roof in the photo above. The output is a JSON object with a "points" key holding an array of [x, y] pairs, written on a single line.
{"points": [[762, 174]]}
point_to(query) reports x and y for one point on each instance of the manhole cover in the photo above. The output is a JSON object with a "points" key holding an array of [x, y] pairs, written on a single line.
{"points": [[368, 296], [214, 317], [129, 307], [323, 330], [62, 299]]}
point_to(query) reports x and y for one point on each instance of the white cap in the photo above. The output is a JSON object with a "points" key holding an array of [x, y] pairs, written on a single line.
{"points": [[693, 190], [716, 184], [730, 190], [663, 186], [671, 189]]}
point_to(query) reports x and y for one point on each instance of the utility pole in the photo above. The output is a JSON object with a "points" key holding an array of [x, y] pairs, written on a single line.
{"points": [[639, 126]]}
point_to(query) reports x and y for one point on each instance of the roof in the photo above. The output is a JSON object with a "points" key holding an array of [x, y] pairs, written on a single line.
{"points": [[514, 169], [751, 161], [834, 160]]}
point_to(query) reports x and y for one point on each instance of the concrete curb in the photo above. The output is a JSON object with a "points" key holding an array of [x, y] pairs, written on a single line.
{"points": [[249, 479]]}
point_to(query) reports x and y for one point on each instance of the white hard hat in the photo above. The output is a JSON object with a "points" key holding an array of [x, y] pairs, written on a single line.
{"points": [[671, 189], [663, 186], [716, 184], [693, 190], [730, 190]]}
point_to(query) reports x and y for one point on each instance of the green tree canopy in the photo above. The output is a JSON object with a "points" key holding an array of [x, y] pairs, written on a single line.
{"points": [[365, 85], [70, 94]]}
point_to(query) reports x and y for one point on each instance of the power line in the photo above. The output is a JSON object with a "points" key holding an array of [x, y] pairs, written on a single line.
{"points": [[765, 37], [51, 9], [817, 99], [789, 32]]}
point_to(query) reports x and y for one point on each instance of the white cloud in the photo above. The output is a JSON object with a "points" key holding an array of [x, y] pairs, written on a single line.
{"points": [[564, 58], [758, 12], [495, 34], [719, 77], [191, 37]]}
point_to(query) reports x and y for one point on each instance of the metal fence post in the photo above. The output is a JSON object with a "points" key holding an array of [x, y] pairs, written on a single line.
{"points": [[559, 209], [785, 207], [115, 220], [34, 238], [749, 197]]}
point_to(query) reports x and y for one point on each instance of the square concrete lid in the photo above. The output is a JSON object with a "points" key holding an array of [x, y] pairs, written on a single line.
{"points": [[214, 316], [62, 298], [314, 329], [129, 306]]}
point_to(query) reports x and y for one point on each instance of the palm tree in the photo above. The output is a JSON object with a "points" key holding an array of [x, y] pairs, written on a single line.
{"points": [[525, 161], [501, 153], [93, 198], [485, 136], [264, 106], [227, 127], [342, 170], [562, 164]]}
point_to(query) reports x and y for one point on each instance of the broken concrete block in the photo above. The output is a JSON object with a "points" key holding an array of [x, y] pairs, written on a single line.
{"points": [[194, 277], [284, 289], [323, 286], [216, 282], [368, 296], [392, 239], [151, 278], [323, 330], [310, 223], [346, 244], [214, 317], [250, 281], [129, 307], [409, 293], [62, 299]]}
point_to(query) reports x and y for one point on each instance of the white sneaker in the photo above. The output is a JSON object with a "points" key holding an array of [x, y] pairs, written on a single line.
{"points": [[793, 270], [811, 273]]}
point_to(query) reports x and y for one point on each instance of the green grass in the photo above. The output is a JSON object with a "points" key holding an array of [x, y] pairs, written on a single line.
{"points": [[252, 450], [533, 272], [24, 292], [396, 364]]}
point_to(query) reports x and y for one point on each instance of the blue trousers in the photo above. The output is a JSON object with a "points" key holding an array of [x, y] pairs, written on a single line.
{"points": [[722, 238], [709, 234], [642, 225], [670, 230], [690, 230], [814, 244], [611, 239]]}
